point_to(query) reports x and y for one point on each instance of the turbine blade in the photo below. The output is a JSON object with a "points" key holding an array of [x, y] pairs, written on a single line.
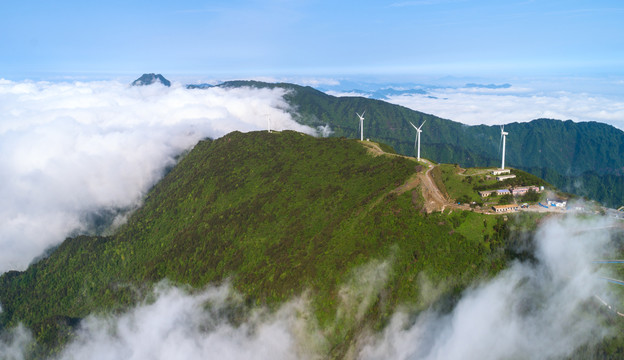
{"points": [[421, 125], [414, 126]]}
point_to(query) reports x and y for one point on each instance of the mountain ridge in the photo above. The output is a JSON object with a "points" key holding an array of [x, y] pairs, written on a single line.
{"points": [[564, 153]]}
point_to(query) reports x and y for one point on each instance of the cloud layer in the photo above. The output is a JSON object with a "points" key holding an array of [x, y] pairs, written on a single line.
{"points": [[531, 310], [73, 149], [179, 325], [475, 106]]}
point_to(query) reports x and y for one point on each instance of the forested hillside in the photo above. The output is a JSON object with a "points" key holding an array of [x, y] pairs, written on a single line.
{"points": [[581, 158], [278, 215]]}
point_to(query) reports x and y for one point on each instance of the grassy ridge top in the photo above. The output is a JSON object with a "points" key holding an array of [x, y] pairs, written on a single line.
{"points": [[276, 214]]}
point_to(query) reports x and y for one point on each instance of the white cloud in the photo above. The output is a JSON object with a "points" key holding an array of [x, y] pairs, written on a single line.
{"points": [[14, 343], [73, 148], [501, 106], [179, 325], [325, 130], [531, 310]]}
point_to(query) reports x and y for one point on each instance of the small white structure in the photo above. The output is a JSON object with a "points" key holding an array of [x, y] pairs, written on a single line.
{"points": [[556, 203], [361, 125], [500, 172], [505, 177], [503, 137], [418, 131]]}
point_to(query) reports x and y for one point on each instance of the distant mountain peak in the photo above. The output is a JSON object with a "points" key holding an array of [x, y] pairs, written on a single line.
{"points": [[149, 79]]}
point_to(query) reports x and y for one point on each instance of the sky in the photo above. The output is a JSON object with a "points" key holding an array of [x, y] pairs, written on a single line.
{"points": [[563, 58], [396, 39]]}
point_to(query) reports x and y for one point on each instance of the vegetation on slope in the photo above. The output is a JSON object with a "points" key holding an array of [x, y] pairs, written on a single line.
{"points": [[276, 214], [564, 153]]}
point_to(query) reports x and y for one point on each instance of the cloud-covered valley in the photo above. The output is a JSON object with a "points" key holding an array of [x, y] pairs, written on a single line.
{"points": [[475, 106], [72, 150]]}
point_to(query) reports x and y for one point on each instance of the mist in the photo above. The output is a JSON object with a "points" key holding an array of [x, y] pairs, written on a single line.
{"points": [[532, 310], [516, 104], [183, 325], [71, 150], [538, 309]]}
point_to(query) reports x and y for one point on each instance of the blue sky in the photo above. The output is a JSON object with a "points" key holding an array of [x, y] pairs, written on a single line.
{"points": [[238, 39]]}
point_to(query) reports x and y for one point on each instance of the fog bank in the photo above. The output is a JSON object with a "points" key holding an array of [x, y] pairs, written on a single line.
{"points": [[533, 310], [70, 150]]}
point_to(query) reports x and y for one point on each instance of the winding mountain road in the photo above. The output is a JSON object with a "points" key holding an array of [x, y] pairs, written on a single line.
{"points": [[434, 199]]}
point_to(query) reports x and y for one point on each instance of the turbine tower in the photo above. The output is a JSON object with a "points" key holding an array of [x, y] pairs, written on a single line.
{"points": [[417, 140], [503, 138], [361, 125]]}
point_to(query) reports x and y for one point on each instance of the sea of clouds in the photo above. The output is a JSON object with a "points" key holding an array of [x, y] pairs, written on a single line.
{"points": [[474, 105], [70, 150], [532, 310], [535, 309]]}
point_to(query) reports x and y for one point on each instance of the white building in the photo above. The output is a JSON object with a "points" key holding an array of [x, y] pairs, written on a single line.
{"points": [[505, 208], [557, 203], [500, 172]]}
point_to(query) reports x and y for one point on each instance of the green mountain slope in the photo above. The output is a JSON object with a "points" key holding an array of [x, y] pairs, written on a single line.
{"points": [[582, 158], [277, 215]]}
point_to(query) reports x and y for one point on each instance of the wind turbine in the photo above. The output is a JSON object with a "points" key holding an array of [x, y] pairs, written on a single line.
{"points": [[417, 140], [268, 122], [503, 138], [361, 125]]}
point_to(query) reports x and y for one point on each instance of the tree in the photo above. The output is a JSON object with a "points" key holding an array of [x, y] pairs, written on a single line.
{"points": [[506, 199], [531, 196]]}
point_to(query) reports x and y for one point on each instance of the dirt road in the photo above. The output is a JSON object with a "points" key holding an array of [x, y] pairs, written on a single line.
{"points": [[434, 199]]}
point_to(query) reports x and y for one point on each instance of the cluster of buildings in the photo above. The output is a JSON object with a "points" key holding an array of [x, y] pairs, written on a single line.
{"points": [[504, 174]]}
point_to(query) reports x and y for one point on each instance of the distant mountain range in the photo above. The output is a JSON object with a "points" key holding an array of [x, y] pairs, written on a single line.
{"points": [[390, 91]]}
